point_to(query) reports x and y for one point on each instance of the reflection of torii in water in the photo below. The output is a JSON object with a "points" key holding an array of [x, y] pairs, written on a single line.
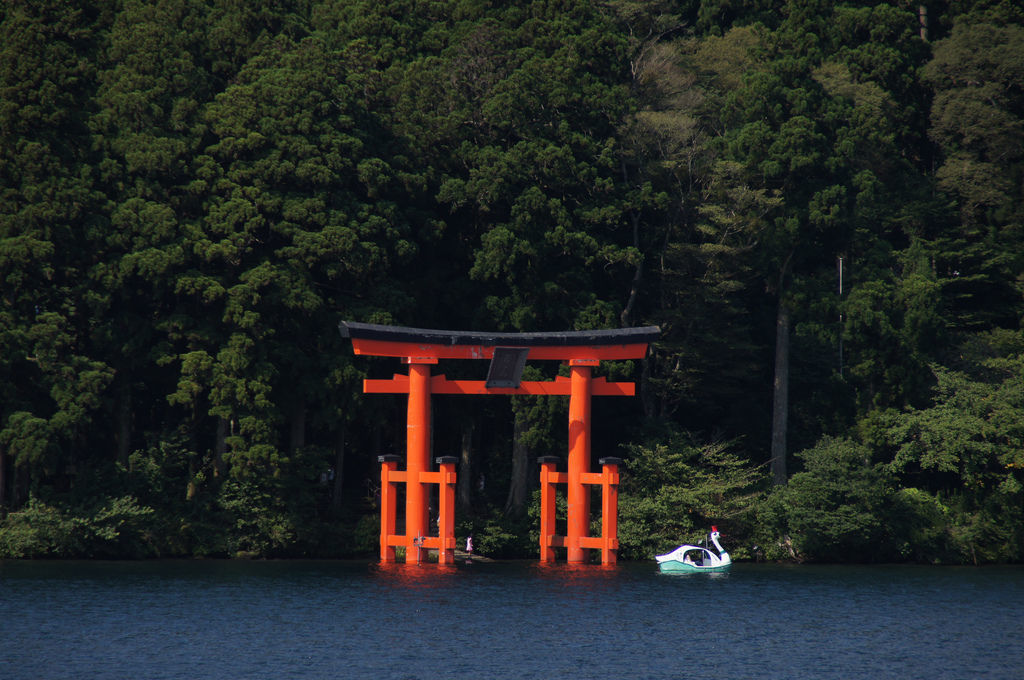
{"points": [[420, 348]]}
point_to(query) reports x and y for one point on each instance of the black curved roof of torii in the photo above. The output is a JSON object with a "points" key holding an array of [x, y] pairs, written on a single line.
{"points": [[617, 336]]}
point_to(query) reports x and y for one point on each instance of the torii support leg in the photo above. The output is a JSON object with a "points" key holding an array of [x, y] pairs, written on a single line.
{"points": [[549, 476], [610, 509], [417, 462], [577, 494], [388, 505], [446, 512]]}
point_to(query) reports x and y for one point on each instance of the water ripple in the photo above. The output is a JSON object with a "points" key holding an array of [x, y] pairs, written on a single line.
{"points": [[316, 620]]}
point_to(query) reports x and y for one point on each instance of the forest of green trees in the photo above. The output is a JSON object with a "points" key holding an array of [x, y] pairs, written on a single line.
{"points": [[820, 203]]}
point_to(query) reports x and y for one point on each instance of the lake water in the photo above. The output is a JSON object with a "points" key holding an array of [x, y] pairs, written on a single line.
{"points": [[250, 620]]}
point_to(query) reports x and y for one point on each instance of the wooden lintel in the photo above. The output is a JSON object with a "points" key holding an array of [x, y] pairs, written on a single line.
{"points": [[439, 384]]}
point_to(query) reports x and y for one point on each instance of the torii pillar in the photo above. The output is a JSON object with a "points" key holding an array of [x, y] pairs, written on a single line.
{"points": [[417, 450], [508, 352], [578, 495]]}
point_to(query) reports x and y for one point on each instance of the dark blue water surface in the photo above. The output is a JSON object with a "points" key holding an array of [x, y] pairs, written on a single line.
{"points": [[249, 620]]}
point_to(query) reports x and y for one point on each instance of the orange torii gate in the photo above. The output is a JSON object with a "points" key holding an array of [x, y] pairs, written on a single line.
{"points": [[420, 349]]}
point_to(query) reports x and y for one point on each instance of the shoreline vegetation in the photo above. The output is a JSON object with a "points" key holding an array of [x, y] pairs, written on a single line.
{"points": [[819, 204]]}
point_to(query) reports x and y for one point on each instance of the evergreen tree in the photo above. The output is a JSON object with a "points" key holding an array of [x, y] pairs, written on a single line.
{"points": [[146, 131], [536, 184], [48, 205], [977, 120], [297, 222]]}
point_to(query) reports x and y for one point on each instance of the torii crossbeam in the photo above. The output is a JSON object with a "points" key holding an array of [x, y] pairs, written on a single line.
{"points": [[420, 348]]}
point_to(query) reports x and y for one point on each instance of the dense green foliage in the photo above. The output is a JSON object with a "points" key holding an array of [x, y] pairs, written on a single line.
{"points": [[820, 203]]}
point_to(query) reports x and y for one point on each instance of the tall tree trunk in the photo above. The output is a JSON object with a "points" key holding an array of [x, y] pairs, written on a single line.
{"points": [[780, 400], [124, 420], [515, 505], [626, 315], [464, 480], [648, 399], [339, 469]]}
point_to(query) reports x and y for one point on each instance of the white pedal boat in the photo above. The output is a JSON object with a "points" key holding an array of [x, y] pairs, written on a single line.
{"points": [[688, 559]]}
